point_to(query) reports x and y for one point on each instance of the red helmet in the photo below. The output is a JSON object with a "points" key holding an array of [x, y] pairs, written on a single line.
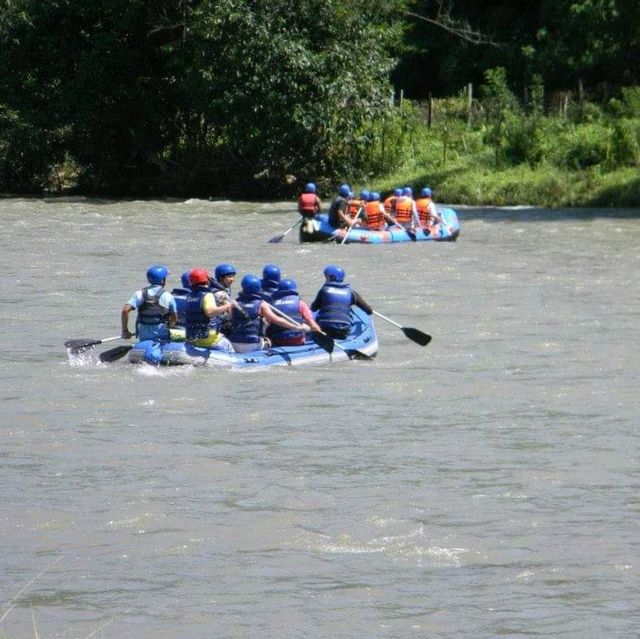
{"points": [[198, 276]]}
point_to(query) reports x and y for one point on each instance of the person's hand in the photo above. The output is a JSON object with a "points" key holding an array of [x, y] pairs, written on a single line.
{"points": [[306, 328]]}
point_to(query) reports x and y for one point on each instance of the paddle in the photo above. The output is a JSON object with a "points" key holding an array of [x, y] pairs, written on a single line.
{"points": [[352, 352], [116, 353], [85, 343], [355, 219], [411, 234], [323, 341], [278, 238], [412, 333]]}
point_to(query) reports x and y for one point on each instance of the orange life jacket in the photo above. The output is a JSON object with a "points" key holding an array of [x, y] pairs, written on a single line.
{"points": [[307, 203], [354, 207], [422, 205], [375, 219], [389, 202], [404, 210]]}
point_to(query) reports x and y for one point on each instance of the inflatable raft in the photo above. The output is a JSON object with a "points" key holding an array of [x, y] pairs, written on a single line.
{"points": [[362, 343], [318, 229]]}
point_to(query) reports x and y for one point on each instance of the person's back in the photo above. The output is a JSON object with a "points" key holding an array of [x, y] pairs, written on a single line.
{"points": [[271, 275], [246, 323], [156, 308], [338, 212], [333, 304], [287, 300], [374, 213], [405, 208], [308, 202], [428, 214]]}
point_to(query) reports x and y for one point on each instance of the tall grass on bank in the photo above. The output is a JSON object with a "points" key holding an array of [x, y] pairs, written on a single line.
{"points": [[505, 153]]}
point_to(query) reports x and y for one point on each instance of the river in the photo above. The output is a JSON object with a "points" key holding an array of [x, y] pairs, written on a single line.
{"points": [[483, 486]]}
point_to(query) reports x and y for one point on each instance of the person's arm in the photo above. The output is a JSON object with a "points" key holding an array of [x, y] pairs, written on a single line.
{"points": [[415, 218], [318, 205], [435, 216], [211, 309], [387, 216], [360, 302], [316, 304], [267, 313], [343, 215], [124, 321], [305, 311]]}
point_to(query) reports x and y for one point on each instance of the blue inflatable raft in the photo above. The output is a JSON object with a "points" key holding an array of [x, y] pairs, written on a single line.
{"points": [[318, 229], [362, 343]]}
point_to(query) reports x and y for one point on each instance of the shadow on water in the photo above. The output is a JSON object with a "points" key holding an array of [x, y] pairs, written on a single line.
{"points": [[532, 214]]}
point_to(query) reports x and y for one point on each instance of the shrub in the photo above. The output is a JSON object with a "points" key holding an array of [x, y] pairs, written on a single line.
{"points": [[625, 142]]}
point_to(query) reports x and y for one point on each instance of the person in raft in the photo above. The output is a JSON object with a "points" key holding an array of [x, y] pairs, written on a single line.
{"points": [[287, 300], [220, 284], [249, 315], [309, 203], [333, 303], [270, 280], [430, 220], [376, 218], [356, 207], [156, 308], [339, 210], [203, 315], [406, 212]]}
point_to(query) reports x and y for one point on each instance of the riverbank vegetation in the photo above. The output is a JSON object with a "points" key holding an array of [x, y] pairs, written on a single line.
{"points": [[251, 99]]}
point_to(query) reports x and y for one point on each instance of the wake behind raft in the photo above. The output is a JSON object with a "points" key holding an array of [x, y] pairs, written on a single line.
{"points": [[361, 343]]}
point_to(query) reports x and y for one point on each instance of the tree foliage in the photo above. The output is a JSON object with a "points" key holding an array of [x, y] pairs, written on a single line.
{"points": [[177, 96], [233, 96]]}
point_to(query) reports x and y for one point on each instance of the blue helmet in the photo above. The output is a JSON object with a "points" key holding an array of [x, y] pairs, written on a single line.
{"points": [[287, 284], [310, 188], [185, 280], [364, 195], [271, 272], [334, 273], [344, 190], [373, 196], [251, 284], [397, 192], [407, 191], [426, 192], [222, 270], [157, 274]]}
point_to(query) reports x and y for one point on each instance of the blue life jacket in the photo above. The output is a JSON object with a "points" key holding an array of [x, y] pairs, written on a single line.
{"points": [[215, 287], [246, 329], [151, 321], [218, 321], [288, 303], [196, 322], [335, 306], [150, 312], [269, 287]]}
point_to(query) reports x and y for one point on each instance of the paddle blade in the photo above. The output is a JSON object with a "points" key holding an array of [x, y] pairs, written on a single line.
{"points": [[115, 354], [417, 336], [412, 235], [81, 343], [355, 354], [277, 239], [323, 341]]}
